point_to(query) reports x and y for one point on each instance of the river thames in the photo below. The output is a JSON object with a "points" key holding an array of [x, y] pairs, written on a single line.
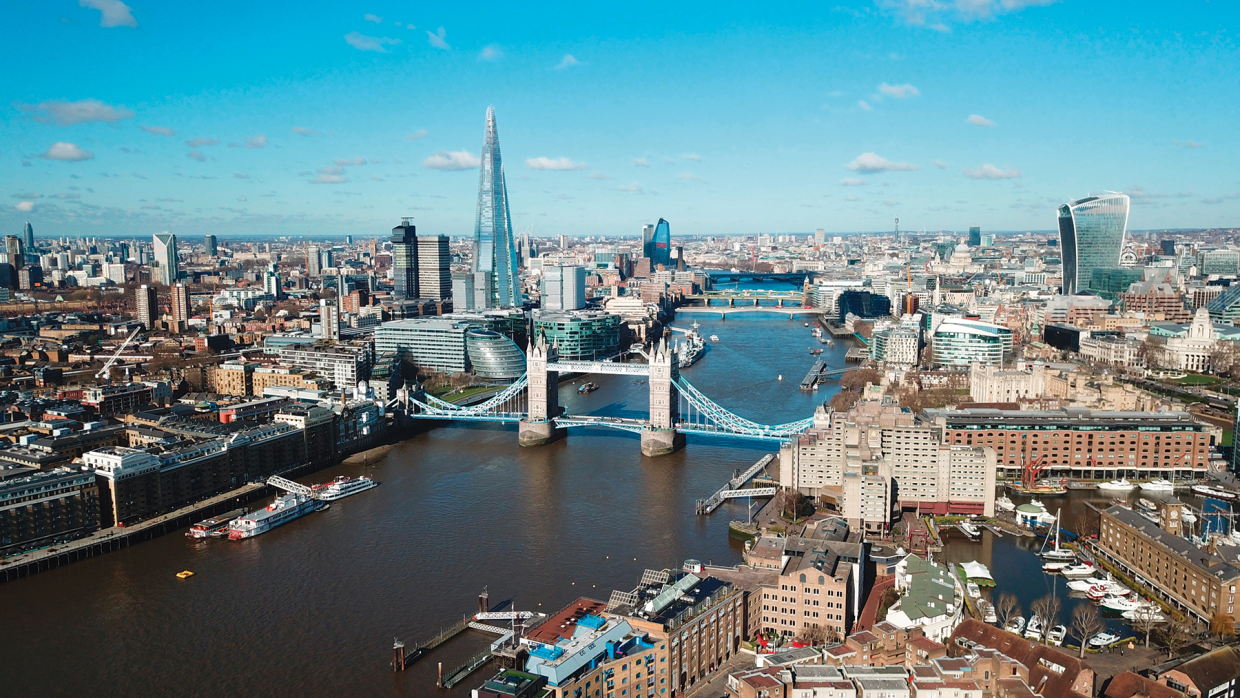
{"points": [[311, 608]]}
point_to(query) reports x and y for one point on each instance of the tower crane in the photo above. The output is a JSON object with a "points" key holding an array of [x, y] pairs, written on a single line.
{"points": [[107, 366]]}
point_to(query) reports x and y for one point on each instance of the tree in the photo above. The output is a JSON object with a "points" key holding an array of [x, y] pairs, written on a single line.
{"points": [[857, 379], [1085, 624], [814, 635], [1046, 610], [1145, 623], [1085, 524], [843, 400], [1222, 625], [1006, 608], [1175, 635]]}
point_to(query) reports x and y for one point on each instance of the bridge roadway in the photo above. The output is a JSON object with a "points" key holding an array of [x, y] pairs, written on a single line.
{"points": [[612, 367], [724, 310]]}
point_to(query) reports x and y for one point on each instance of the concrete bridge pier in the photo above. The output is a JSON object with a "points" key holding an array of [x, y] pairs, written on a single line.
{"points": [[544, 396], [660, 437]]}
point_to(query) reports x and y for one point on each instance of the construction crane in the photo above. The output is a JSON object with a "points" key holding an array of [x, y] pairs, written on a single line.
{"points": [[108, 366]]}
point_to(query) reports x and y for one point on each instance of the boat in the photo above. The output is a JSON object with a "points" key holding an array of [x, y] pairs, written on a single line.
{"points": [[1099, 592], [972, 590], [1158, 486], [1214, 492], [214, 526], [988, 612], [1056, 554], [714, 338], [1120, 485], [1083, 585], [587, 388], [1119, 604], [692, 349], [815, 352], [1103, 640], [1148, 614], [1015, 625], [969, 529], [342, 487], [1147, 504], [1033, 631], [1078, 571], [831, 343], [186, 574], [1005, 504], [1055, 635], [1188, 517], [807, 324], [285, 508], [1042, 488], [1055, 567]]}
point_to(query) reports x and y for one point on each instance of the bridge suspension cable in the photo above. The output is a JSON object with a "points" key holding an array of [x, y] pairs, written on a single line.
{"points": [[715, 418]]}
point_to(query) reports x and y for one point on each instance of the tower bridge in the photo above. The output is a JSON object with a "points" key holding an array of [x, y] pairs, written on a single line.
{"points": [[676, 407]]}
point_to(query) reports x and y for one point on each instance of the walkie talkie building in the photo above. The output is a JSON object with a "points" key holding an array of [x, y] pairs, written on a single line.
{"points": [[495, 250], [1091, 235]]}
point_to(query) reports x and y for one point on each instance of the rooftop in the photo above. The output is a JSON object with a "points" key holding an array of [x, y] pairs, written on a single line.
{"points": [[1215, 565]]}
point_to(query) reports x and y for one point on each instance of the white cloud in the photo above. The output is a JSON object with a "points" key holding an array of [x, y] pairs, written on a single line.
{"points": [[566, 62], [341, 162], [240, 175], [331, 174], [641, 162], [691, 156], [374, 18], [634, 188], [420, 133], [491, 52], [255, 142], [689, 177], [114, 12], [852, 182], [852, 197], [979, 120], [70, 113], [555, 164], [199, 142], [989, 171], [934, 14], [437, 39], [451, 160], [939, 164], [25, 206], [308, 132], [899, 91], [598, 175], [361, 42], [865, 106], [67, 152], [869, 163], [159, 130], [1190, 145], [196, 155], [242, 199]]}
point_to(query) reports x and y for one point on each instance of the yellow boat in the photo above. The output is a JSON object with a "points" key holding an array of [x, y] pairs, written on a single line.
{"points": [[184, 575]]}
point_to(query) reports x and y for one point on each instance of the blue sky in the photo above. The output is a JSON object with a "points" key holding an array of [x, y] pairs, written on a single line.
{"points": [[333, 118]]}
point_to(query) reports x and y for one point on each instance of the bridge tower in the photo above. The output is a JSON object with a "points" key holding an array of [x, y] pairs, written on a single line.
{"points": [[543, 390], [660, 437]]}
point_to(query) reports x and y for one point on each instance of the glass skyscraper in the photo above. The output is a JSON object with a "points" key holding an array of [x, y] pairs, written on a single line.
{"points": [[495, 250], [657, 244], [28, 234], [1091, 234], [405, 261], [165, 253]]}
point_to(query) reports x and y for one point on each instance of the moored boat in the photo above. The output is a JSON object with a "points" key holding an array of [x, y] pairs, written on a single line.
{"points": [[1055, 635], [342, 487], [213, 526], [1214, 492], [1120, 485], [1015, 625], [1078, 571], [1147, 614], [1119, 604], [1158, 486], [1103, 640], [285, 508], [1033, 631], [969, 529], [1005, 503]]}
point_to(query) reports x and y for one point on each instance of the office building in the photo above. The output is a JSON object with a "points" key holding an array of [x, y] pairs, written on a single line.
{"points": [[146, 303], [314, 262], [494, 356], [975, 237], [434, 267], [1091, 234], [28, 234], [863, 304], [211, 246], [1081, 443], [13, 248], [959, 342], [344, 364], [657, 244], [42, 505], [495, 250], [1167, 247], [329, 320], [431, 344], [580, 334], [1219, 263], [404, 261], [563, 288], [165, 256], [180, 307], [462, 292]]}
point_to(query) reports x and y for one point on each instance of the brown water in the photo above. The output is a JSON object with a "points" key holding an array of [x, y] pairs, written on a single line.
{"points": [[311, 608]]}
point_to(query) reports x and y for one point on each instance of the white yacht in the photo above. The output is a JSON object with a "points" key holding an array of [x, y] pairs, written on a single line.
{"points": [[970, 530], [1055, 635], [1015, 625], [342, 487], [1033, 631], [1087, 583], [1078, 571], [1148, 614], [1103, 640], [1005, 504], [1120, 485], [1056, 554], [714, 338], [1121, 604], [1055, 567], [1158, 486]]}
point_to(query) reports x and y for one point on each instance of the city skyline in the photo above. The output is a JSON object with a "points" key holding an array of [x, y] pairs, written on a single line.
{"points": [[727, 123]]}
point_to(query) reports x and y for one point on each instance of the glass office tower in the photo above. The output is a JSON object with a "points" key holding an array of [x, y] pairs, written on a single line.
{"points": [[657, 244], [495, 251], [1091, 233]]}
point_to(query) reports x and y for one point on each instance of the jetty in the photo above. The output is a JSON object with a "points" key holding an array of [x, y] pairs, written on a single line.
{"points": [[732, 488]]}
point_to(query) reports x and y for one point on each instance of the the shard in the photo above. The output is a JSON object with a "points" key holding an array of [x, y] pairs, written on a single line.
{"points": [[495, 250]]}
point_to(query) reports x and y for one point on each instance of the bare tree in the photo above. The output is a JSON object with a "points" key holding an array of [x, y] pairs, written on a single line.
{"points": [[1046, 610], [1006, 608], [814, 636], [1085, 524], [1222, 625], [857, 379], [1145, 622], [1085, 624], [1175, 636]]}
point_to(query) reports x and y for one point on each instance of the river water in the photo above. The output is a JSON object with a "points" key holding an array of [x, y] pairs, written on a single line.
{"points": [[311, 608]]}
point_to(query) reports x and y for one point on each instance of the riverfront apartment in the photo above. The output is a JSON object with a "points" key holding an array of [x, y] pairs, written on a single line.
{"points": [[1192, 579], [820, 585], [39, 506], [580, 334], [344, 364], [1082, 443]]}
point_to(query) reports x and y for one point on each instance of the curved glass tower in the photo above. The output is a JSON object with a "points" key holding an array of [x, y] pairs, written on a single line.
{"points": [[659, 246], [495, 250], [493, 355], [1091, 233]]}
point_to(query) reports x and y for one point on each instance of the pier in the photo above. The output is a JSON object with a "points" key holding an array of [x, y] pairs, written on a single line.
{"points": [[402, 657], [731, 488], [811, 379], [459, 674]]}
